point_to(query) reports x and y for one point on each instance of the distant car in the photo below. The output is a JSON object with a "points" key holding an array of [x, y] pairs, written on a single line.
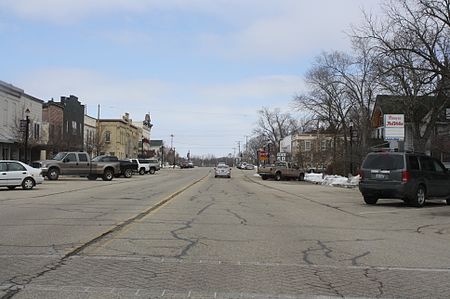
{"points": [[249, 167], [413, 178], [184, 164], [222, 170], [15, 173], [190, 164]]}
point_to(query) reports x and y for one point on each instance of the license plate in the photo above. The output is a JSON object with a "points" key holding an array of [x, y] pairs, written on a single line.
{"points": [[379, 176]]}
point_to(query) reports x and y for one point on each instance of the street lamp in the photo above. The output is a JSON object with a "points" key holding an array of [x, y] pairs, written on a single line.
{"points": [[27, 124], [351, 147]]}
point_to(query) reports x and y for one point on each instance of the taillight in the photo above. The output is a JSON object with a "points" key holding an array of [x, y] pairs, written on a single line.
{"points": [[405, 176], [361, 174]]}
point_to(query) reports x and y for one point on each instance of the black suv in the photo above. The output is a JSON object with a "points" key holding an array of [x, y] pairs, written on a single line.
{"points": [[414, 178]]}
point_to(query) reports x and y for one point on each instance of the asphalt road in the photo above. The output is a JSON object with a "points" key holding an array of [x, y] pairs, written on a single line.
{"points": [[185, 234]]}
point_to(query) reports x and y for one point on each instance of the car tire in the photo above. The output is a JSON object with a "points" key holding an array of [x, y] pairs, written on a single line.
{"points": [[108, 175], [419, 198], [142, 171], [152, 171], [448, 201], [92, 177], [370, 200], [128, 173], [278, 176], [53, 174], [12, 187], [264, 177], [301, 177], [28, 184]]}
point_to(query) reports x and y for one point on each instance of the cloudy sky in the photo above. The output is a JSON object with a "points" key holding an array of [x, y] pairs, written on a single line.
{"points": [[202, 68]]}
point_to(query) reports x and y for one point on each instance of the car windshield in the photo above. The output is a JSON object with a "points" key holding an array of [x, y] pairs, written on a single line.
{"points": [[222, 166], [59, 156], [384, 161]]}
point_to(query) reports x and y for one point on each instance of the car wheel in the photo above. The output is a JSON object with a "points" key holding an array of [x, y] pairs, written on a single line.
{"points": [[264, 177], [108, 175], [12, 187], [128, 173], [142, 171], [448, 201], [419, 198], [92, 177], [27, 184], [53, 174], [278, 176], [301, 177], [152, 171], [370, 200], [215, 176]]}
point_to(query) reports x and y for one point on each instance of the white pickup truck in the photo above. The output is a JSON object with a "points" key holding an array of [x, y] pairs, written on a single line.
{"points": [[146, 165]]}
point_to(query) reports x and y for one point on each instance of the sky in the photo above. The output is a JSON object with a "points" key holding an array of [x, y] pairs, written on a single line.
{"points": [[201, 68]]}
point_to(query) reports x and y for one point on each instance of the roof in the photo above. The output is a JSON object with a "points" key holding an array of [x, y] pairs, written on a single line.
{"points": [[419, 107]]}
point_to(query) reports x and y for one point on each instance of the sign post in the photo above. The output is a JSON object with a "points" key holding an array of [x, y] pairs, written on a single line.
{"points": [[394, 129]]}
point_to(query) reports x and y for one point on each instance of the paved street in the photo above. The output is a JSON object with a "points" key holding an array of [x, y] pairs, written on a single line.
{"points": [[185, 234]]}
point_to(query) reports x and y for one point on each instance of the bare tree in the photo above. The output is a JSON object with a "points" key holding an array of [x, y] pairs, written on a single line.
{"points": [[414, 40], [274, 125]]}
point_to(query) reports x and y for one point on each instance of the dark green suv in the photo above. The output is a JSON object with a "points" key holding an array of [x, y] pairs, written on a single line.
{"points": [[414, 178]]}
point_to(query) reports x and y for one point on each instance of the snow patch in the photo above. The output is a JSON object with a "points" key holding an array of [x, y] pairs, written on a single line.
{"points": [[333, 180]]}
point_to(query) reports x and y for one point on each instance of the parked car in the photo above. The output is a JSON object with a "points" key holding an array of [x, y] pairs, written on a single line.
{"points": [[413, 178], [184, 164], [79, 164], [222, 170], [15, 173], [281, 170], [126, 168], [249, 167], [146, 165]]}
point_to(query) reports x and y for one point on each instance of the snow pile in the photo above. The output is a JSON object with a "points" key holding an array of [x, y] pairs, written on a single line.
{"points": [[332, 180]]}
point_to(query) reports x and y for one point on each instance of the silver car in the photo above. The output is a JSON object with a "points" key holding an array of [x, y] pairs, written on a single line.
{"points": [[222, 170], [15, 173]]}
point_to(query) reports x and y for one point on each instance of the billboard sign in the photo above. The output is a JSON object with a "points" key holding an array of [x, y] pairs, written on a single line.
{"points": [[394, 127]]}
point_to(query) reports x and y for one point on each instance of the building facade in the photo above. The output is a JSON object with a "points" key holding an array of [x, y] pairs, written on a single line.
{"points": [[17, 110], [119, 137], [90, 135]]}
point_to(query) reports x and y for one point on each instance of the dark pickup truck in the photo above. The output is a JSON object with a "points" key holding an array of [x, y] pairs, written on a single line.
{"points": [[127, 168]]}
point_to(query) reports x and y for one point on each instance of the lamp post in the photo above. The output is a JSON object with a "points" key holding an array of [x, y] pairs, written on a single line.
{"points": [[351, 147], [174, 161], [27, 124]]}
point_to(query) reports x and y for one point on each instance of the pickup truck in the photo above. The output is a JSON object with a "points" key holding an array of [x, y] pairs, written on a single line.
{"points": [[126, 167], [77, 163], [281, 170], [146, 165]]}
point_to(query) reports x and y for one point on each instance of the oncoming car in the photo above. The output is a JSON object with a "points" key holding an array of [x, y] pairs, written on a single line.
{"points": [[15, 173], [222, 170]]}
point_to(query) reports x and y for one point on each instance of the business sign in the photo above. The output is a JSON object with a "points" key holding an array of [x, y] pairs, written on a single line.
{"points": [[263, 155], [281, 156], [394, 127]]}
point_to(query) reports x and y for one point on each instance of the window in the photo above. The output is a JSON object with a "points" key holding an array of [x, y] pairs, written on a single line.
{"points": [[107, 136], [83, 157], [14, 166], [2, 166], [307, 146], [438, 166], [384, 162], [413, 163], [427, 164], [36, 131], [71, 158], [74, 128]]}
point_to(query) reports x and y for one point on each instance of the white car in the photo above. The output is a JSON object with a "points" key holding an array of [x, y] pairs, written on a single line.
{"points": [[222, 170], [15, 173]]}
